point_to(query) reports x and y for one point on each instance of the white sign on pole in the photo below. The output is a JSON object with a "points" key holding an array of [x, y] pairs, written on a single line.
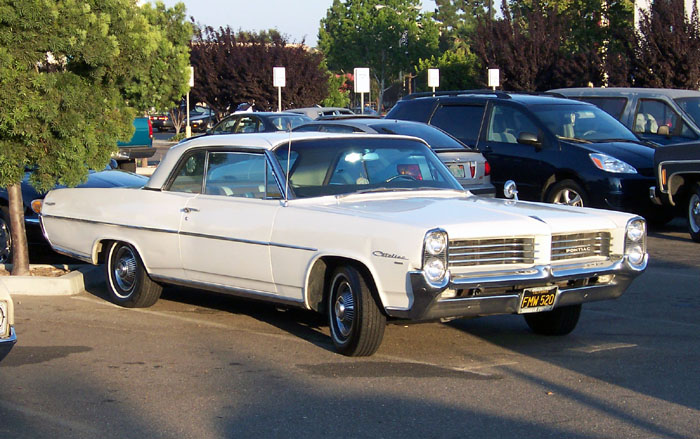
{"points": [[191, 76], [494, 78], [278, 77], [434, 78], [361, 80]]}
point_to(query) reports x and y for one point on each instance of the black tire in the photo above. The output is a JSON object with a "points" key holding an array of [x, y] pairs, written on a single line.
{"points": [[5, 236], [567, 192], [693, 213], [127, 281], [559, 321], [356, 321]]}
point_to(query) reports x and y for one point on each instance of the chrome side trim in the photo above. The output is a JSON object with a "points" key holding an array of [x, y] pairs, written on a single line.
{"points": [[233, 291], [196, 235], [74, 255]]}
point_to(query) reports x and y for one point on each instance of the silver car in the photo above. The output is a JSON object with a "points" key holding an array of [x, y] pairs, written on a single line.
{"points": [[7, 329]]}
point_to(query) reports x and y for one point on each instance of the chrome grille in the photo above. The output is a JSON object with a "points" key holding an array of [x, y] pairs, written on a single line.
{"points": [[580, 245], [493, 251]]}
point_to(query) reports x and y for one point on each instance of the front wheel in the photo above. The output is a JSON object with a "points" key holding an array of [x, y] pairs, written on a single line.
{"points": [[128, 282], [567, 192], [356, 322], [694, 213], [559, 321]]}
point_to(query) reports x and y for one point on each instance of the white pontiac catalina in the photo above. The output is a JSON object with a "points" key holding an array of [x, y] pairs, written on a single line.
{"points": [[366, 228]]}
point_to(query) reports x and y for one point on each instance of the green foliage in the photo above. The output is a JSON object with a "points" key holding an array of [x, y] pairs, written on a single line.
{"points": [[338, 92], [67, 70], [459, 70], [388, 36], [458, 20]]}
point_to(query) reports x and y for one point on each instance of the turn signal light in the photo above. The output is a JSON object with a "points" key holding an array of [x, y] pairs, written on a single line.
{"points": [[36, 206], [487, 168]]}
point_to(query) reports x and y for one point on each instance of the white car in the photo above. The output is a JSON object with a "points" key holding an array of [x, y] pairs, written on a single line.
{"points": [[7, 329], [365, 229]]}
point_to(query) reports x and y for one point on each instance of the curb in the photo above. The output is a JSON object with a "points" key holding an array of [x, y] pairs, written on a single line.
{"points": [[69, 284]]}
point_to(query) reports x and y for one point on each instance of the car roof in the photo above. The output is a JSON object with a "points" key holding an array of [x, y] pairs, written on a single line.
{"points": [[254, 141], [484, 95], [625, 91], [364, 122]]}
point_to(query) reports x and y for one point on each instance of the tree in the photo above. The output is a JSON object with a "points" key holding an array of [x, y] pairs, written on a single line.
{"points": [[71, 76], [232, 68], [667, 46], [388, 36], [525, 46], [338, 91], [458, 20], [459, 70]]}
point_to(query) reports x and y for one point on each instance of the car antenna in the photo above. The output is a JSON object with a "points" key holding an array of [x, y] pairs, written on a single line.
{"points": [[289, 159]]}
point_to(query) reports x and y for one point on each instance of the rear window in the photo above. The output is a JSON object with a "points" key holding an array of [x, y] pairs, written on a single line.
{"points": [[417, 110], [462, 121], [435, 137], [612, 106]]}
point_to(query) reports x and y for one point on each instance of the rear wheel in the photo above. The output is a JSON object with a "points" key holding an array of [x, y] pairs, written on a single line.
{"points": [[694, 213], [559, 321], [356, 322], [128, 282], [567, 192], [5, 236]]}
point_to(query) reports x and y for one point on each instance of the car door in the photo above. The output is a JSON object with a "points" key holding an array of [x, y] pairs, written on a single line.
{"points": [[225, 232], [527, 164]]}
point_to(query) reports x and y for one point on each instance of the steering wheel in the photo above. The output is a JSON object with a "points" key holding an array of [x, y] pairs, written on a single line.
{"points": [[406, 176]]}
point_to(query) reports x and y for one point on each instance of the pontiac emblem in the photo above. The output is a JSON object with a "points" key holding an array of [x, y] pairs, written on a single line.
{"points": [[579, 249]]}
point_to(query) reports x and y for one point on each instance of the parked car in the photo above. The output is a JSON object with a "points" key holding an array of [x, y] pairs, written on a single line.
{"points": [[161, 122], [316, 112], [202, 119], [35, 238], [8, 338], [468, 166], [260, 122], [557, 150], [660, 115], [363, 228], [678, 174], [139, 147]]}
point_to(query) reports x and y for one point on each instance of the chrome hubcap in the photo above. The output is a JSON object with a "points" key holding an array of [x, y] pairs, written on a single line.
{"points": [[125, 269], [569, 197], [694, 213], [344, 309], [5, 242]]}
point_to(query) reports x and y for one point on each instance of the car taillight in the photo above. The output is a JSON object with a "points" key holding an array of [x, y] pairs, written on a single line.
{"points": [[487, 168], [150, 128]]}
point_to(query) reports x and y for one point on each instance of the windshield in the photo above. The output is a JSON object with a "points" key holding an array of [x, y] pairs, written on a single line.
{"points": [[435, 137], [322, 167], [582, 122], [692, 107]]}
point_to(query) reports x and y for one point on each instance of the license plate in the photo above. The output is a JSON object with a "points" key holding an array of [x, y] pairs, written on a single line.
{"points": [[457, 170], [538, 299]]}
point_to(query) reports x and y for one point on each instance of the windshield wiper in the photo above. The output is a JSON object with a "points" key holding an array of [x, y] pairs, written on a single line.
{"points": [[390, 189], [574, 139], [617, 140]]}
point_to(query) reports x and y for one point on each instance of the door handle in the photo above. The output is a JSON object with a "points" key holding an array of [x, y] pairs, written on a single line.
{"points": [[189, 209]]}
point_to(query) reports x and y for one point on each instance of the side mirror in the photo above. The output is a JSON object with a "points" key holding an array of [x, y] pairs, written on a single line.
{"points": [[529, 139], [510, 190]]}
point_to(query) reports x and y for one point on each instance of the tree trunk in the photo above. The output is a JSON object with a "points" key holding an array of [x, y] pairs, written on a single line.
{"points": [[20, 251]]}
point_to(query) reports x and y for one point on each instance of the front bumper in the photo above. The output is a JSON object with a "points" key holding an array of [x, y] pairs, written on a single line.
{"points": [[6, 344], [500, 293]]}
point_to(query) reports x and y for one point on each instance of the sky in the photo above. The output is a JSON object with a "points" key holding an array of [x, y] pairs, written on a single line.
{"points": [[297, 19]]}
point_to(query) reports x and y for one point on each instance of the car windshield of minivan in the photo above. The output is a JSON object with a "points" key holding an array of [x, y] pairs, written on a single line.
{"points": [[583, 123], [690, 106], [344, 166]]}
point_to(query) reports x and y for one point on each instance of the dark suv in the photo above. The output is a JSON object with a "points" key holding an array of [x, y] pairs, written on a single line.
{"points": [[557, 150]]}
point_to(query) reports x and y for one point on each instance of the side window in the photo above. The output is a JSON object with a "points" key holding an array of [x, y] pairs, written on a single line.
{"points": [[247, 124], [226, 126], [462, 121], [506, 124], [612, 106], [657, 117], [236, 174], [189, 175]]}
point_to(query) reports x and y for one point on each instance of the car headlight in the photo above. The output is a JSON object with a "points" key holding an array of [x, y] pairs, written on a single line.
{"points": [[611, 164], [4, 319], [636, 241], [435, 256]]}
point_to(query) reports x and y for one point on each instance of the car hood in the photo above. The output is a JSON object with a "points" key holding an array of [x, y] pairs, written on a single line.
{"points": [[471, 216], [635, 154]]}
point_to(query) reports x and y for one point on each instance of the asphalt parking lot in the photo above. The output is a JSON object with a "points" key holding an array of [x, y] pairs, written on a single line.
{"points": [[209, 366]]}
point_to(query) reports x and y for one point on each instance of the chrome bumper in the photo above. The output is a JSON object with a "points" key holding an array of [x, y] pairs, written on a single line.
{"points": [[482, 295], [7, 343]]}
